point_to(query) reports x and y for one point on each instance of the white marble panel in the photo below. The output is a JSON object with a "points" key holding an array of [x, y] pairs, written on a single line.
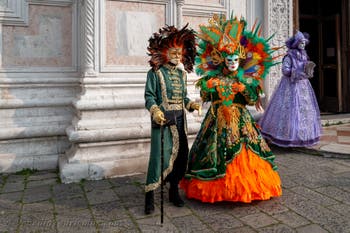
{"points": [[128, 26], [3, 4], [45, 42], [133, 30], [48, 42]]}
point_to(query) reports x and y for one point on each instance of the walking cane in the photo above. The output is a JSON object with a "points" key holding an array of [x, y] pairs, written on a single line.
{"points": [[161, 172]]}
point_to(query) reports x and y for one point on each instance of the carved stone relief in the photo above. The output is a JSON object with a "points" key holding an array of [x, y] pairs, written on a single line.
{"points": [[278, 15], [87, 12]]}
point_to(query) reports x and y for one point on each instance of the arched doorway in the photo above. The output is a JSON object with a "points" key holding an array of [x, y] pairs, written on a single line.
{"points": [[329, 29]]}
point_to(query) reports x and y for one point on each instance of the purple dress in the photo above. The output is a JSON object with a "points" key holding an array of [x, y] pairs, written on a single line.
{"points": [[292, 118]]}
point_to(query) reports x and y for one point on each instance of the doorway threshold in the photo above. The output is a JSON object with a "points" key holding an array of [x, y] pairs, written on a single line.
{"points": [[328, 119]]}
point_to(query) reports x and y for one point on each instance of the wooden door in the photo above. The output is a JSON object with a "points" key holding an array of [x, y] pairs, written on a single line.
{"points": [[329, 69]]}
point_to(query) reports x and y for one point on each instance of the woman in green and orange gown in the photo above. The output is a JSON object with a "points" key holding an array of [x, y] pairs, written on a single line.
{"points": [[229, 160]]}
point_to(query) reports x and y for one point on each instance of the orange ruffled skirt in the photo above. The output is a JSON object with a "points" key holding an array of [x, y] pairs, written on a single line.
{"points": [[248, 177]]}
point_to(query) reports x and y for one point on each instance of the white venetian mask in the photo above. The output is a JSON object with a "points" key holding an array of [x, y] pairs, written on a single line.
{"points": [[232, 62], [301, 45]]}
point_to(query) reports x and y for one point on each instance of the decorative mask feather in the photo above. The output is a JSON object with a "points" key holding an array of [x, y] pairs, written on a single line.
{"points": [[170, 37]]}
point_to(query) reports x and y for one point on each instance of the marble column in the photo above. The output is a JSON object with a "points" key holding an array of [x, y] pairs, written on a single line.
{"points": [[278, 20], [110, 131], [179, 5]]}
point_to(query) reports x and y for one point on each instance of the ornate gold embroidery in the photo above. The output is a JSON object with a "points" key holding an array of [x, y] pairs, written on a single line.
{"points": [[173, 156]]}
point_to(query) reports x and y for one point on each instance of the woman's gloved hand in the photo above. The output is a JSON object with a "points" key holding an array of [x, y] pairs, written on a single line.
{"points": [[195, 106]]}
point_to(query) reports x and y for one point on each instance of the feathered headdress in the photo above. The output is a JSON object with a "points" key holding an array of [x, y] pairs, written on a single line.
{"points": [[226, 37], [170, 37]]}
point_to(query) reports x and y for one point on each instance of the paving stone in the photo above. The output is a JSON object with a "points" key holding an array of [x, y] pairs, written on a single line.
{"points": [[174, 212], [77, 229], [202, 209], [37, 229], [273, 206], [244, 229], [279, 228], [258, 220], [135, 200], [315, 178], [313, 228], [127, 190], [315, 199], [71, 203], [15, 197], [75, 220], [67, 190], [9, 222], [137, 212], [2, 181], [107, 212], [96, 184], [241, 210], [38, 183], [37, 222], [222, 221], [139, 179], [13, 187], [122, 181], [341, 181], [290, 198], [314, 196], [345, 162], [46, 207], [342, 209], [335, 193], [9, 206], [121, 225], [191, 223], [152, 224], [97, 196], [334, 167], [37, 194], [43, 175], [319, 215], [288, 183], [291, 219], [13, 178]]}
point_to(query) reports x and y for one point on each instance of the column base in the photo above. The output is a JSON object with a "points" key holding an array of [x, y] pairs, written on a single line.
{"points": [[95, 161]]}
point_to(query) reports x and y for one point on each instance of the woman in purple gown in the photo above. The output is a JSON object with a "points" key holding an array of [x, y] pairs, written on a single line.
{"points": [[292, 118]]}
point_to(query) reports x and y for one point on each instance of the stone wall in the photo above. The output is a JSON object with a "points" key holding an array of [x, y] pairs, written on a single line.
{"points": [[110, 133], [72, 76], [38, 81]]}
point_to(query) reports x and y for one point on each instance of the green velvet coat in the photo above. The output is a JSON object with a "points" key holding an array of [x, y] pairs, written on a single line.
{"points": [[165, 89]]}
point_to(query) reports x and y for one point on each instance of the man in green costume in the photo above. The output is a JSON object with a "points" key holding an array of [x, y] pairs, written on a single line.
{"points": [[166, 99]]}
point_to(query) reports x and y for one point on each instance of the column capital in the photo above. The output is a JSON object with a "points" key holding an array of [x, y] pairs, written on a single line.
{"points": [[180, 2]]}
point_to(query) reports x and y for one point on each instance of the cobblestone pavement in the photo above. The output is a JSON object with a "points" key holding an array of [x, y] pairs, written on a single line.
{"points": [[316, 199]]}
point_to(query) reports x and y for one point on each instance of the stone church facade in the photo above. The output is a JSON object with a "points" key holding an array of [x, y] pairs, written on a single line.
{"points": [[72, 76]]}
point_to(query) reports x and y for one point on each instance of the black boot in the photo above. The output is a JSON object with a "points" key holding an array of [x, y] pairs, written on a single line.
{"points": [[174, 196], [149, 202]]}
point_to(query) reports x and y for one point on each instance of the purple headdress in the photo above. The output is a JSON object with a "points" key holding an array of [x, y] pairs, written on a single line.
{"points": [[292, 43]]}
